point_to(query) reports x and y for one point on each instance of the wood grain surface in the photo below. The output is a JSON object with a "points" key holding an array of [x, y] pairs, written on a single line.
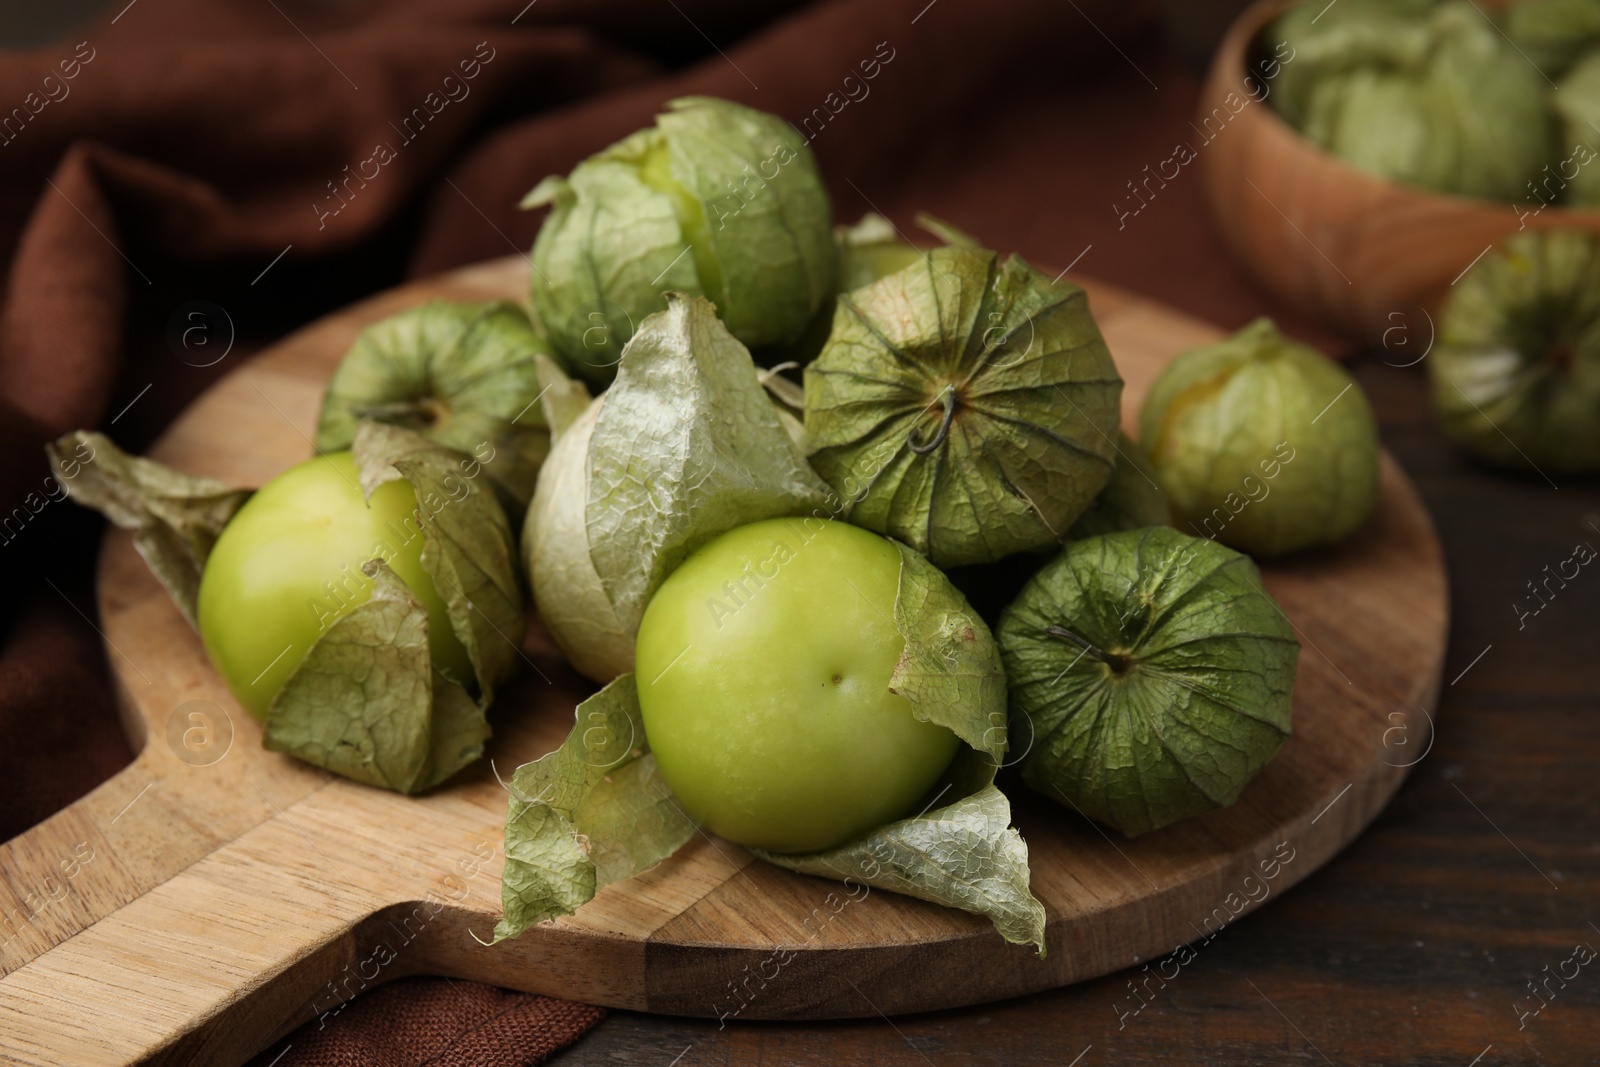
{"points": [[212, 896]]}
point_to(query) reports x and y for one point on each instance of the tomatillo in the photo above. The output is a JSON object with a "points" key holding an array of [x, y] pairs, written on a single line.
{"points": [[763, 666], [289, 564]]}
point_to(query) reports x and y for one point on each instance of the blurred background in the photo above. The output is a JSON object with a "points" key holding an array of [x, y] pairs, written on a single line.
{"points": [[35, 24], [1191, 30]]}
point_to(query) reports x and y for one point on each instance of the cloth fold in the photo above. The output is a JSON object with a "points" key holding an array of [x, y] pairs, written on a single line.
{"points": [[276, 161], [398, 1025]]}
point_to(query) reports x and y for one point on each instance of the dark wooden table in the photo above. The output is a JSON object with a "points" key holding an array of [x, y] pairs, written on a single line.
{"points": [[1415, 946]]}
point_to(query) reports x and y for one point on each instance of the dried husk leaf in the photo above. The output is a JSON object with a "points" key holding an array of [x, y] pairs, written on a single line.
{"points": [[684, 446], [592, 812], [366, 703], [176, 517], [963, 854]]}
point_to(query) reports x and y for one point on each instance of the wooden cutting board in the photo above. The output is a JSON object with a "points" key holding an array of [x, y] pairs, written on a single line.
{"points": [[213, 895]]}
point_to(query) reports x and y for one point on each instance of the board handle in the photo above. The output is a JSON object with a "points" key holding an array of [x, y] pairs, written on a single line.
{"points": [[81, 864], [133, 832], [282, 925]]}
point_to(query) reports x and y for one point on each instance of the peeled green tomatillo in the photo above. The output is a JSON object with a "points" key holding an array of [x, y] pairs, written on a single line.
{"points": [[1516, 373], [715, 200], [289, 564], [763, 665], [1262, 443]]}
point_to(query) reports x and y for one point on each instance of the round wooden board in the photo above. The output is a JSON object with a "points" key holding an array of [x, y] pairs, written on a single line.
{"points": [[222, 904]]}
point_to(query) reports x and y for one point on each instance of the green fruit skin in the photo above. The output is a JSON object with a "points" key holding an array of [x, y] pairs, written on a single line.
{"points": [[769, 709], [263, 602], [1263, 444]]}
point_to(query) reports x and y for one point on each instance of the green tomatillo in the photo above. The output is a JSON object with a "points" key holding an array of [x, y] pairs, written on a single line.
{"points": [[1151, 677], [289, 565], [964, 405], [714, 200], [1516, 372], [1262, 443], [477, 378], [362, 604], [764, 668]]}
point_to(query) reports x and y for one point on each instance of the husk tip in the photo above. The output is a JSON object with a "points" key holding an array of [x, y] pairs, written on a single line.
{"points": [[549, 191]]}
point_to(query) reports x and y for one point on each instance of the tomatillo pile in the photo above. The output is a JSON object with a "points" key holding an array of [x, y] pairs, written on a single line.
{"points": [[751, 564]]}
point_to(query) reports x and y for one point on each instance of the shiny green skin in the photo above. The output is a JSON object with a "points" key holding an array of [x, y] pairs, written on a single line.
{"points": [[773, 722], [1262, 443], [1516, 372], [263, 602]]}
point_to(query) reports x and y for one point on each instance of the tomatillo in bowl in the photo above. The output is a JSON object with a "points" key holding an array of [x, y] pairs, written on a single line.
{"points": [[763, 669]]}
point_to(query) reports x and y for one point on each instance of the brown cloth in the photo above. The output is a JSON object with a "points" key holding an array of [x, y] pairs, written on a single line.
{"points": [[184, 150], [436, 1022]]}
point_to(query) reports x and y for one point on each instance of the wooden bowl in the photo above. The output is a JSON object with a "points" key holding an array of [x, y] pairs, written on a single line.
{"points": [[1361, 253]]}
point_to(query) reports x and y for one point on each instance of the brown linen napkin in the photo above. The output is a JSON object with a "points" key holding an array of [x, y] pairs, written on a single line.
{"points": [[437, 1022], [200, 150]]}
